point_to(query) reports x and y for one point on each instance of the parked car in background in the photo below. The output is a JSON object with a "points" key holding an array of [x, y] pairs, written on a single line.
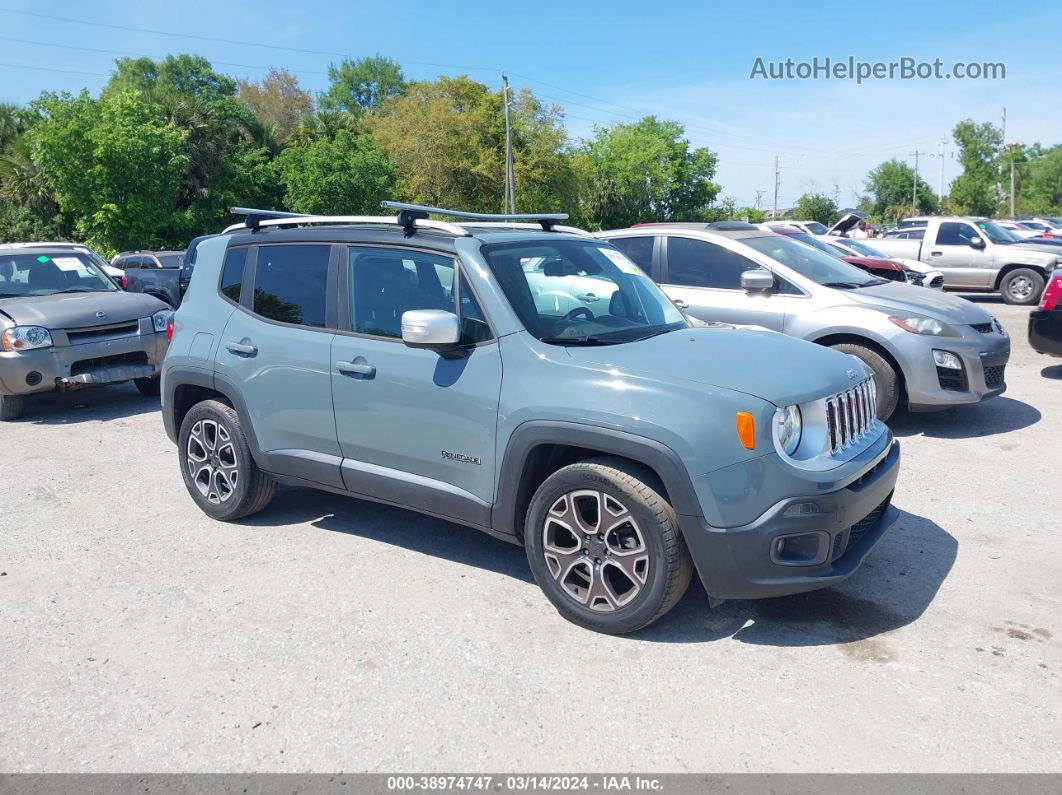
{"points": [[976, 255], [918, 273], [114, 273], [65, 325], [810, 227], [167, 283], [621, 449], [1022, 229], [928, 350], [910, 233], [881, 267], [1045, 322]]}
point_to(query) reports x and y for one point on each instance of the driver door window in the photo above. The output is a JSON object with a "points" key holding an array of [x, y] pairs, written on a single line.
{"points": [[955, 234]]}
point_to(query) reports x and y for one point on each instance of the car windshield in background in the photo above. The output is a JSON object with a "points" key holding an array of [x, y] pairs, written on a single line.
{"points": [[47, 274], [824, 269], [995, 233], [580, 292], [825, 248], [816, 228], [864, 249], [171, 260]]}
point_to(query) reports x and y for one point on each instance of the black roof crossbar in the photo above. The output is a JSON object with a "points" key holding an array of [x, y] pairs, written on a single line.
{"points": [[255, 217], [546, 220]]}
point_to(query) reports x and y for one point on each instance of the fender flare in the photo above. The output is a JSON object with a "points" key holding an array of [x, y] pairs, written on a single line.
{"points": [[664, 461], [179, 376]]}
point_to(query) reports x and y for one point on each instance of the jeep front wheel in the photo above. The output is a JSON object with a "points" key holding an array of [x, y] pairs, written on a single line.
{"points": [[216, 463], [605, 546]]}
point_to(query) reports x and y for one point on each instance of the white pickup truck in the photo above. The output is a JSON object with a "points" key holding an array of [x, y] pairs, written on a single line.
{"points": [[974, 255]]}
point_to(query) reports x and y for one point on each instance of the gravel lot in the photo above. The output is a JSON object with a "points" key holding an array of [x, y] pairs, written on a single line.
{"points": [[333, 634]]}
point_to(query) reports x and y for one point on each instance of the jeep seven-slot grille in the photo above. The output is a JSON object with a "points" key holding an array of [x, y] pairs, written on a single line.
{"points": [[850, 415]]}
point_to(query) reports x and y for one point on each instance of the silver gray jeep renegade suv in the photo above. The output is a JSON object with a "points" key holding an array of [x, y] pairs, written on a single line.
{"points": [[528, 380]]}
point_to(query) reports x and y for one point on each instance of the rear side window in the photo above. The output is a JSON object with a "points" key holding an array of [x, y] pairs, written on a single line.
{"points": [[232, 273], [697, 263], [638, 249], [291, 284]]}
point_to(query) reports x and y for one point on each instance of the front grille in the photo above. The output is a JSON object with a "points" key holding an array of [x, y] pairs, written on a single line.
{"points": [[847, 539], [103, 362], [79, 335], [951, 379], [851, 414], [994, 376], [982, 328]]}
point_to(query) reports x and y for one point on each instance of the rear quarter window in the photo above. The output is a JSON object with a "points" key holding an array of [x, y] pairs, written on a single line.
{"points": [[232, 273]]}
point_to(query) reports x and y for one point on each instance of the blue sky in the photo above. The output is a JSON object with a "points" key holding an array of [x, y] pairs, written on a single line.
{"points": [[615, 61]]}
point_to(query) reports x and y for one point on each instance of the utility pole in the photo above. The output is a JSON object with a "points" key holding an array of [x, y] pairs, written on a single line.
{"points": [[914, 183], [510, 181], [759, 197], [943, 141], [1003, 138], [777, 182], [1013, 148]]}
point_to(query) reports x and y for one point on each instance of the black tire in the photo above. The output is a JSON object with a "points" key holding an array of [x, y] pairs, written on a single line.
{"points": [[1022, 287], [667, 563], [11, 407], [886, 379], [149, 387], [252, 490]]}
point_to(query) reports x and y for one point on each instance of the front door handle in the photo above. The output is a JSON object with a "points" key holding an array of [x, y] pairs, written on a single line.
{"points": [[589, 298], [680, 304], [936, 253], [366, 370], [241, 348]]}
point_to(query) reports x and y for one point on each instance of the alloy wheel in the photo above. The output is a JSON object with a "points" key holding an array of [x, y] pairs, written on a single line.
{"points": [[211, 460], [595, 550], [1020, 288]]}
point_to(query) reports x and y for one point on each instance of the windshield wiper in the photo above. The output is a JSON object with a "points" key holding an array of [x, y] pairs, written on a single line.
{"points": [[587, 340], [841, 285], [11, 295], [80, 290]]}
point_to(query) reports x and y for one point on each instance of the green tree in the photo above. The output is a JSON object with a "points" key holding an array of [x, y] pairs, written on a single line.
{"points": [[816, 207], [890, 185], [277, 102], [342, 176], [1041, 183], [115, 165], [361, 85], [184, 76], [974, 192], [645, 171]]}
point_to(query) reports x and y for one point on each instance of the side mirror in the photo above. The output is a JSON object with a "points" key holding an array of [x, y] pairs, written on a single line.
{"points": [[431, 328], [757, 280], [977, 242]]}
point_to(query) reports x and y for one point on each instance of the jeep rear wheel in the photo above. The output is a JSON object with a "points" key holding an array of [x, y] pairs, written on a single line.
{"points": [[12, 406], [1022, 287], [216, 463], [605, 546]]}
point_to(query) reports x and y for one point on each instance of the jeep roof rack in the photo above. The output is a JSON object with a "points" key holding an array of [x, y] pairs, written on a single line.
{"points": [[410, 217]]}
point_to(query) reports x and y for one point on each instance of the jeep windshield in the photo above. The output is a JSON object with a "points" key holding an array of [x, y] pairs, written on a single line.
{"points": [[825, 269], [580, 292], [36, 273]]}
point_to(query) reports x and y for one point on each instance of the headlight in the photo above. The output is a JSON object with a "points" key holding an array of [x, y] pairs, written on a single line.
{"points": [[787, 428], [925, 325], [161, 319], [24, 338]]}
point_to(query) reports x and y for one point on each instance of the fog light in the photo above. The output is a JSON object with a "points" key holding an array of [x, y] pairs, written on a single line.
{"points": [[33, 378], [947, 359], [802, 549]]}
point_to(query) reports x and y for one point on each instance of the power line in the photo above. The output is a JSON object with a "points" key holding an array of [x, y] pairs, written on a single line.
{"points": [[50, 69]]}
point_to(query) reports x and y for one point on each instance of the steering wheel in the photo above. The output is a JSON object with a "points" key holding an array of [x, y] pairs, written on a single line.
{"points": [[575, 313]]}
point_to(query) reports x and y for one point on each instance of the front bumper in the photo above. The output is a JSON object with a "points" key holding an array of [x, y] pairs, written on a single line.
{"points": [[739, 562], [103, 361], [984, 358], [1045, 331]]}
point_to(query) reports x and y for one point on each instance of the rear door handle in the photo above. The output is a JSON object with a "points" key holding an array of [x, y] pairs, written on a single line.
{"points": [[936, 253], [589, 298], [241, 348], [366, 370]]}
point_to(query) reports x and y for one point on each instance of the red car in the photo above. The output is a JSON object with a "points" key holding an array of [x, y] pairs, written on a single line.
{"points": [[882, 268]]}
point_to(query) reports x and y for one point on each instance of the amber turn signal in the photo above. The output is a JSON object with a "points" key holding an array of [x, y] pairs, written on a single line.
{"points": [[746, 429]]}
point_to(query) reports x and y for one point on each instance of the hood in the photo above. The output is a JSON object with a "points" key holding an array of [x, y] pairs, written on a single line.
{"points": [[1042, 246], [896, 297], [739, 359], [848, 219], [873, 263], [76, 310]]}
